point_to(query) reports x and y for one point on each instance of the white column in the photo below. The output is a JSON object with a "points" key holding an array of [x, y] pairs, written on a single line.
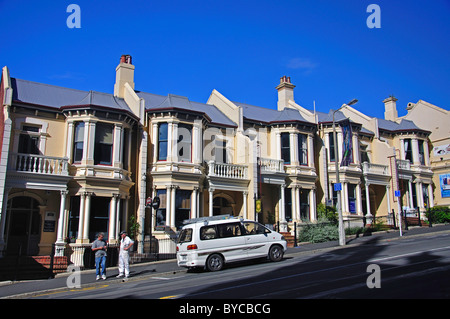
{"points": [[388, 197], [211, 191], [155, 142], [430, 195], [112, 218], [168, 204], [355, 145], [81, 217], [172, 207], [312, 205], [278, 144], [244, 203], [169, 141], [194, 203], [293, 148], [310, 151], [282, 212], [118, 145], [419, 194], [359, 199], [411, 201], [344, 198], [62, 217], [87, 217], [174, 142], [415, 151], [70, 136], [89, 141], [368, 200]]}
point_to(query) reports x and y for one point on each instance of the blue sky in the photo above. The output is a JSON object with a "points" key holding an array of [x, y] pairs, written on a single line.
{"points": [[240, 48]]}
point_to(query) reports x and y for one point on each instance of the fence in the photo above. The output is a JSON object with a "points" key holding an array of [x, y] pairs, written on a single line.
{"points": [[82, 256]]}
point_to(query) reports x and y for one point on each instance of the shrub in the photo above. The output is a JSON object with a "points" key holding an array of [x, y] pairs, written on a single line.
{"points": [[438, 214], [319, 232], [328, 213]]}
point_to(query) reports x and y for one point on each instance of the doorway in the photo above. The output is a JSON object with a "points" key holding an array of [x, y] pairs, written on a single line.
{"points": [[24, 224]]}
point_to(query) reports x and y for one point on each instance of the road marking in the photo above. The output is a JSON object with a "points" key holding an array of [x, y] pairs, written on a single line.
{"points": [[89, 288], [161, 278], [169, 297], [407, 255]]}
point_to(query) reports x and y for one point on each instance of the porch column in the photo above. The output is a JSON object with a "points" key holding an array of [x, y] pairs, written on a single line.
{"points": [[81, 218], [419, 194], [359, 199], [244, 197], [168, 204], [430, 195], [112, 218], [211, 191], [312, 205], [194, 203], [281, 203], [172, 207], [87, 217], [411, 202], [368, 200], [344, 198], [293, 203], [388, 196], [297, 203], [62, 218]]}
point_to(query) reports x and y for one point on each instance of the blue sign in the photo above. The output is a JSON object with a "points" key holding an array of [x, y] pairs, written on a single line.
{"points": [[397, 194], [337, 187]]}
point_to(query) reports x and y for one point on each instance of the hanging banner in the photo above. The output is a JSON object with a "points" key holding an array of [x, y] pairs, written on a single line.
{"points": [[347, 147]]}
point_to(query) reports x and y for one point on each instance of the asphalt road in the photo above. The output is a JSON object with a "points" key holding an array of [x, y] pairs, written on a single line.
{"points": [[381, 267]]}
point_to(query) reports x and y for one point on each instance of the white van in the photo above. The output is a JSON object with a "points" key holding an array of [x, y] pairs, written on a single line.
{"points": [[213, 241]]}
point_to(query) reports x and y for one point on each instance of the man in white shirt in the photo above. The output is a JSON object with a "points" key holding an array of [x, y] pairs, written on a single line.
{"points": [[125, 245]]}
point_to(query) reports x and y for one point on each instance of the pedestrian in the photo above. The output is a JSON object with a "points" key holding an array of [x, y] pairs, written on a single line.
{"points": [[100, 246], [124, 257]]}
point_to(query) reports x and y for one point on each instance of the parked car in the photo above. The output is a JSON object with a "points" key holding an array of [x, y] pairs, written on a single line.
{"points": [[212, 242]]}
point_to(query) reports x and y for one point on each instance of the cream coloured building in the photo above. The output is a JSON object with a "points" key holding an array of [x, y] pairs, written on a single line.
{"points": [[75, 163]]}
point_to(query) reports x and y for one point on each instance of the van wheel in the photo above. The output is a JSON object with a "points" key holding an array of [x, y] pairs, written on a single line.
{"points": [[214, 262], [276, 253]]}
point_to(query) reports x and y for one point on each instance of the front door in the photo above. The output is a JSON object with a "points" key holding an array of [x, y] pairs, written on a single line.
{"points": [[23, 226]]}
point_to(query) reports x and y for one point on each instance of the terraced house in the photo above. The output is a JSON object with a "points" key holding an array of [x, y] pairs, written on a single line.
{"points": [[75, 163]]}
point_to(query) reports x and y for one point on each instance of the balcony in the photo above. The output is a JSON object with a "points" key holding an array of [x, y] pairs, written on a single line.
{"points": [[38, 164], [269, 165], [32, 171], [375, 169], [223, 170]]}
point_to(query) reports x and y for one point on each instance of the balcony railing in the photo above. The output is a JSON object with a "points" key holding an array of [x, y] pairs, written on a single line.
{"points": [[38, 164], [269, 165], [227, 170], [404, 164], [370, 168]]}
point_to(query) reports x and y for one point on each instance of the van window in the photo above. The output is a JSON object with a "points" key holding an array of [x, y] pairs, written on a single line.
{"points": [[220, 231], [252, 228], [185, 236], [208, 232], [229, 230]]}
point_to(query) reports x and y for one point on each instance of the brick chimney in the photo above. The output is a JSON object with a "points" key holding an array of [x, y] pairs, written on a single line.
{"points": [[390, 109], [124, 74], [285, 92]]}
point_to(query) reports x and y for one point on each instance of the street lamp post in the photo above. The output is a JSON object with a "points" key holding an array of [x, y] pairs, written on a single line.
{"points": [[336, 165]]}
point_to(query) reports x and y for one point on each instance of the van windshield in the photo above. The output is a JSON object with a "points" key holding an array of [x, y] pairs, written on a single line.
{"points": [[185, 236]]}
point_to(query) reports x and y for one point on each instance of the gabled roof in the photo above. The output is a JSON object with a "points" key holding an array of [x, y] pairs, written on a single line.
{"points": [[154, 102]]}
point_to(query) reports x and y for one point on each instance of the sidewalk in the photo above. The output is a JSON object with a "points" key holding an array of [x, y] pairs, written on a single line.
{"points": [[138, 271]]}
